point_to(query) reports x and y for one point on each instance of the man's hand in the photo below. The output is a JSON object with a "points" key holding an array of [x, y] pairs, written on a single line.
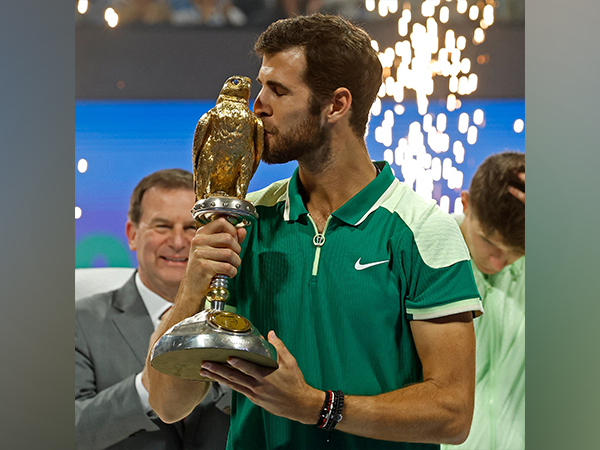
{"points": [[280, 391], [517, 192], [215, 250]]}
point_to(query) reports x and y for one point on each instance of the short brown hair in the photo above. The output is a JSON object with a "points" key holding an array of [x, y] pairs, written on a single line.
{"points": [[163, 179], [338, 54], [496, 209]]}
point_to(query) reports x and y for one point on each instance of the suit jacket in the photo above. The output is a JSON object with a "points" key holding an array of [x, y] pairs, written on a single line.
{"points": [[112, 333]]}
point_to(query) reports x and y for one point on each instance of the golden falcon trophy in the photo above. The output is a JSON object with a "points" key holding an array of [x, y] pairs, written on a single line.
{"points": [[228, 144]]}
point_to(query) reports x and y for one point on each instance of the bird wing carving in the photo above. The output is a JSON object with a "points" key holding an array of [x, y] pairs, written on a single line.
{"points": [[200, 135], [259, 138]]}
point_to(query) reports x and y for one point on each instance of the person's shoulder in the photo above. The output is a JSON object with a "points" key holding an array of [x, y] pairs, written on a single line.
{"points": [[415, 211], [271, 195], [435, 233], [95, 302], [98, 307]]}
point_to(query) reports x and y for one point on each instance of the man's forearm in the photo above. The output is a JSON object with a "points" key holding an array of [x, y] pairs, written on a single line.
{"points": [[421, 412], [437, 410], [174, 398], [170, 397]]}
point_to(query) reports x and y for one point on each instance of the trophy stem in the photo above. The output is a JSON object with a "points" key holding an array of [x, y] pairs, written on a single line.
{"points": [[218, 293]]}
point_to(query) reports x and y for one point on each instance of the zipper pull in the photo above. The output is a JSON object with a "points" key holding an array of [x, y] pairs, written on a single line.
{"points": [[319, 240]]}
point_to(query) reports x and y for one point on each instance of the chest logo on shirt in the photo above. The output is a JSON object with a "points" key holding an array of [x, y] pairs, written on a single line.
{"points": [[359, 266]]}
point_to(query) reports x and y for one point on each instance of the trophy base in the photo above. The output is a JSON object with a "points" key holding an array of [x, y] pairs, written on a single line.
{"points": [[210, 335]]}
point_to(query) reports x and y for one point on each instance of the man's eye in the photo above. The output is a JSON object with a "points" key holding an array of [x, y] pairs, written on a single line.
{"points": [[486, 242]]}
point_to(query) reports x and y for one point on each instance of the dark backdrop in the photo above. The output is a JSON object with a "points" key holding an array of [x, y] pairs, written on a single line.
{"points": [[163, 62]]}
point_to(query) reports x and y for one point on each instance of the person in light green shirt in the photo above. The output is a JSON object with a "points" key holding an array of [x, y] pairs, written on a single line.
{"points": [[493, 225]]}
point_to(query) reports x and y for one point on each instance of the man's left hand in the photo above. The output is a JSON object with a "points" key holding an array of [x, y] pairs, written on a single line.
{"points": [[280, 391]]}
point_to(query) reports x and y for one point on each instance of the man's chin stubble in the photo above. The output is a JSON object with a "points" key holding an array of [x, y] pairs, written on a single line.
{"points": [[313, 154]]}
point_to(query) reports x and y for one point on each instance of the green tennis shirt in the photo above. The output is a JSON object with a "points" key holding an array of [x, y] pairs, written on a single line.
{"points": [[341, 300]]}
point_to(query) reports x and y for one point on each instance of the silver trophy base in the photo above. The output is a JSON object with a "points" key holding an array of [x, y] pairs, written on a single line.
{"points": [[210, 335], [213, 334]]}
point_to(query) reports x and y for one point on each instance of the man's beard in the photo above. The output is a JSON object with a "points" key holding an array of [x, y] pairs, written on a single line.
{"points": [[307, 142]]}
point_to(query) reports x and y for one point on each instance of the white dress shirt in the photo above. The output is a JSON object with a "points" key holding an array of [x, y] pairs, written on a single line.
{"points": [[156, 306]]}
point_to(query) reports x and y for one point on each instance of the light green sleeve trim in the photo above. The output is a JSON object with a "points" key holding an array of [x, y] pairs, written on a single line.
{"points": [[470, 304], [436, 234], [269, 196]]}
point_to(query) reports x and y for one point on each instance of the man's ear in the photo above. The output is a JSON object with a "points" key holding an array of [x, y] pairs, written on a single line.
{"points": [[131, 233], [464, 196], [341, 100]]}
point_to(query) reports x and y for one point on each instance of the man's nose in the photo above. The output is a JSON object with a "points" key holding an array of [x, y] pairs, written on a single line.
{"points": [[499, 262], [260, 107], [179, 239]]}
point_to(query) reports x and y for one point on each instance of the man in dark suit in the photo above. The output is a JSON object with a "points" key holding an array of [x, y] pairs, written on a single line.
{"points": [[112, 332]]}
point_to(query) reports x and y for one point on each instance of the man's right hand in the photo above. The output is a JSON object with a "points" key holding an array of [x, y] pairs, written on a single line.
{"points": [[215, 250]]}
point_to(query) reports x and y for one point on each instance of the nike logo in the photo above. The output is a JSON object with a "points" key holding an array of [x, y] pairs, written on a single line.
{"points": [[359, 266]]}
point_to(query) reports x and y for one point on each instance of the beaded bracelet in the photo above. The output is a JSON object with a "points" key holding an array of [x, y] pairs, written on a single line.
{"points": [[331, 412], [325, 409]]}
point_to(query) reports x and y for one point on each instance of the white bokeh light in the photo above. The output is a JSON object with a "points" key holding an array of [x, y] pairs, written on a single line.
{"points": [[519, 126], [388, 155], [111, 17], [82, 6], [436, 169], [444, 14], [82, 165], [463, 123], [473, 12], [445, 203], [472, 135], [376, 107], [458, 150], [441, 122], [478, 117], [478, 36], [458, 206]]}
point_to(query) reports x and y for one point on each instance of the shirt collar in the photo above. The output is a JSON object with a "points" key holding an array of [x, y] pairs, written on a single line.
{"points": [[355, 210], [294, 205], [155, 304]]}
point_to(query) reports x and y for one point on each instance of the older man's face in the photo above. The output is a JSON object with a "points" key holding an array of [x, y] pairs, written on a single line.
{"points": [[162, 238]]}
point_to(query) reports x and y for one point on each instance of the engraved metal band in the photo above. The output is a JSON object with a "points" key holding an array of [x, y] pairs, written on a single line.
{"points": [[238, 212]]}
